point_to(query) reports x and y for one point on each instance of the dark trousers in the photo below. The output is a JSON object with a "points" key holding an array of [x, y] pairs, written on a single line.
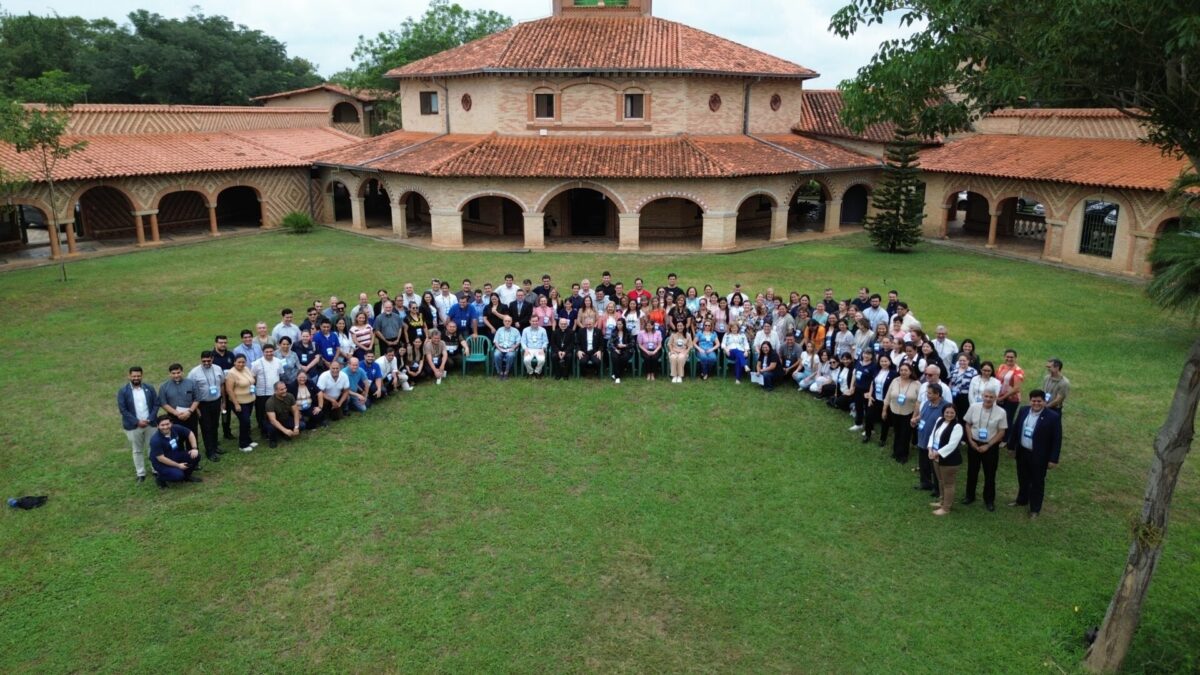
{"points": [[925, 468], [768, 378], [210, 421], [1010, 409], [591, 360], [173, 474], [874, 417], [988, 461], [620, 362], [860, 407], [841, 401], [962, 403], [902, 428], [309, 420], [260, 413], [561, 366], [244, 424], [190, 423], [651, 364], [1031, 479], [226, 419], [277, 435]]}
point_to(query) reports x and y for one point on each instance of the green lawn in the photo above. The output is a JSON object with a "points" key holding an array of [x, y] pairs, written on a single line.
{"points": [[536, 527]]}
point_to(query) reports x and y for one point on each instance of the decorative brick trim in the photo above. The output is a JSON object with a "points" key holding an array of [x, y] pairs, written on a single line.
{"points": [[555, 191], [690, 196], [491, 193]]}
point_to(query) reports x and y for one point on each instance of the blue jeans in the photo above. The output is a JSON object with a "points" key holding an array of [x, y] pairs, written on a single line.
{"points": [[504, 361], [739, 363], [707, 361], [244, 424]]}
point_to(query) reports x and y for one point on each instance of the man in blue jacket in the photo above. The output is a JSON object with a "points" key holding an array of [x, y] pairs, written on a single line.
{"points": [[137, 404], [1035, 437]]}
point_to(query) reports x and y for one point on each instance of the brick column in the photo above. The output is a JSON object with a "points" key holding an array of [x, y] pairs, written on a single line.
{"points": [[833, 216], [447, 228], [357, 218], [1053, 248], [212, 220], [329, 211], [720, 232], [154, 238], [535, 231], [993, 225], [71, 247], [399, 220], [779, 224], [629, 231], [139, 228], [55, 243]]}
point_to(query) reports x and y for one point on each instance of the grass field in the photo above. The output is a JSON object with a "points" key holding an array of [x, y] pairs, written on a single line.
{"points": [[539, 526]]}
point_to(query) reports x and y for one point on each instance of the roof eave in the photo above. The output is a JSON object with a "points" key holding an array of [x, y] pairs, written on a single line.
{"points": [[585, 71]]}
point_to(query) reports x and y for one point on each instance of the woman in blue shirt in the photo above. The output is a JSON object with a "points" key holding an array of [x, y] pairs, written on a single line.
{"points": [[707, 344]]}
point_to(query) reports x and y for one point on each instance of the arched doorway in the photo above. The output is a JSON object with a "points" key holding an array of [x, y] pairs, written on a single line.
{"points": [[670, 223], [1021, 224], [581, 212], [103, 213], [418, 221], [754, 219], [1169, 226], [182, 211], [807, 207], [339, 196], [493, 220], [377, 208], [854, 205], [23, 225], [969, 215], [239, 206]]}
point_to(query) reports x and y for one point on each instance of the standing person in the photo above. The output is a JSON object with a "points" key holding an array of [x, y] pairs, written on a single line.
{"points": [[942, 450], [178, 399], [899, 405], [534, 342], [363, 336], [767, 365], [881, 383], [137, 401], [562, 348], [249, 348], [1035, 438], [960, 385], [389, 327], [239, 392], [875, 314], [620, 351], [946, 348], [986, 426], [927, 416], [209, 381], [1056, 385], [285, 328], [326, 345], [173, 453], [679, 350], [223, 359], [267, 371], [984, 380], [1011, 377], [865, 371]]}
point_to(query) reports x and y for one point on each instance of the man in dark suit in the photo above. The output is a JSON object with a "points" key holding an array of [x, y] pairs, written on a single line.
{"points": [[521, 311], [1035, 437], [589, 347], [562, 349]]}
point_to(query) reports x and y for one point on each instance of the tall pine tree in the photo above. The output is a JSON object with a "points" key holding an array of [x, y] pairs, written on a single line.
{"points": [[900, 200]]}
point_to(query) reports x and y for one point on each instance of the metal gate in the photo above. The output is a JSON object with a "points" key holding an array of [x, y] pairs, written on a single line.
{"points": [[1099, 228]]}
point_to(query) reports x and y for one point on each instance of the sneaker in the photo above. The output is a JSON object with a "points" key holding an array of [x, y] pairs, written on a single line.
{"points": [[140, 479], [617, 380], [253, 444], [439, 380], [406, 387], [856, 428], [248, 448], [193, 479]]}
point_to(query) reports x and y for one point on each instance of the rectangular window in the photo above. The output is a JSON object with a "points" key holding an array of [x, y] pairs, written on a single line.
{"points": [[543, 106], [1099, 228], [429, 103], [635, 106]]}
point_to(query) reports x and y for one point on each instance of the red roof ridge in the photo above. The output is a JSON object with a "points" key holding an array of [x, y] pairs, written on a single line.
{"points": [[182, 108], [364, 95], [464, 151], [687, 140], [801, 155]]}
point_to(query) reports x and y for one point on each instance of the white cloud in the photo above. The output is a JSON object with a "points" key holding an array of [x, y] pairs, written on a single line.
{"points": [[326, 33]]}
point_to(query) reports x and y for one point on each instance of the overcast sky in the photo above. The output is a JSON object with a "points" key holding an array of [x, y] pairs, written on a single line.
{"points": [[325, 32]]}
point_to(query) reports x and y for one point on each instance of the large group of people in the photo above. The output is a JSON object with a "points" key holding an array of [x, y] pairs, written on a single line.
{"points": [[868, 356]]}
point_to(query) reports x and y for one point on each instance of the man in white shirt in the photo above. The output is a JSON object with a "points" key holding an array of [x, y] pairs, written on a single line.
{"points": [[585, 291], [944, 346], [393, 374], [933, 374], [533, 348], [266, 372], [874, 313], [364, 306], [210, 383], [444, 300], [334, 391], [136, 401], [286, 328], [409, 297], [507, 291]]}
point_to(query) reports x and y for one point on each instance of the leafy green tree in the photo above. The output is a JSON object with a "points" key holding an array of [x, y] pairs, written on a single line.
{"points": [[31, 45], [900, 199], [1139, 56], [39, 130], [444, 25]]}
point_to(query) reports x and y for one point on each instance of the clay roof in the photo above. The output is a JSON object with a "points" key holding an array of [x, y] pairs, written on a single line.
{"points": [[1101, 162], [602, 44], [364, 95], [683, 156], [822, 108], [114, 156], [119, 108], [1079, 113]]}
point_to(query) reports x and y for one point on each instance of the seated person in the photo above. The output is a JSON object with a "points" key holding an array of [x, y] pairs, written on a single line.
{"points": [[533, 348], [456, 346], [375, 387], [506, 343], [562, 348], [283, 415], [436, 356], [391, 369], [357, 377], [589, 346], [173, 453], [305, 392], [414, 364], [333, 392]]}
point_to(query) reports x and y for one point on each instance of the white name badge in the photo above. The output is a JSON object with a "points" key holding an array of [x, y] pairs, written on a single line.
{"points": [[651, 345], [787, 363], [174, 444], [253, 389], [921, 426], [420, 331], [305, 405], [979, 399], [329, 351], [901, 399], [304, 358], [1027, 432], [212, 390], [982, 434]]}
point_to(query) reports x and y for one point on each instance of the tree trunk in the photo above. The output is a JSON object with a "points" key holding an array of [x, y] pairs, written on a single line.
{"points": [[1170, 449]]}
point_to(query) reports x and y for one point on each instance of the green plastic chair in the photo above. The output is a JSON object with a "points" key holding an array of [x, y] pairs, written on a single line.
{"points": [[481, 352]]}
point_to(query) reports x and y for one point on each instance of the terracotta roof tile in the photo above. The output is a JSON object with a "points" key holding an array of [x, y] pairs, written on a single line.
{"points": [[1113, 163], [364, 95], [114, 156], [602, 44], [822, 108], [1078, 113], [461, 155]]}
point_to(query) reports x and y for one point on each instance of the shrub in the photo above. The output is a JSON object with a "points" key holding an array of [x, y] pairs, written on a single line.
{"points": [[299, 222]]}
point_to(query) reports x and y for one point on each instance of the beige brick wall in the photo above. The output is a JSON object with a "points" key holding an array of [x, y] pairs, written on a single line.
{"points": [[763, 120]]}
